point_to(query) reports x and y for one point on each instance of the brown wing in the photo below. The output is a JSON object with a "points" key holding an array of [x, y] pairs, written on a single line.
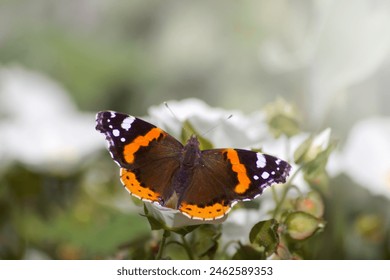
{"points": [[210, 193], [149, 177], [147, 155], [225, 176]]}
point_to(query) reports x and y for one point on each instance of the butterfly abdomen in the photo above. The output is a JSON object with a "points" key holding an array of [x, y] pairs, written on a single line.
{"points": [[190, 158]]}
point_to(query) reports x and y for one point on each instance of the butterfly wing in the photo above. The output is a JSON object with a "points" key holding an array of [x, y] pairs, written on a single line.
{"points": [[147, 155], [225, 176]]}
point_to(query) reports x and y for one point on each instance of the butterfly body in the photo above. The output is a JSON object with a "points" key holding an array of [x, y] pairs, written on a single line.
{"points": [[203, 184]]}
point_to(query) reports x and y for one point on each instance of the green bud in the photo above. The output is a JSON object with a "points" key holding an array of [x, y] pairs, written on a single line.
{"points": [[301, 225]]}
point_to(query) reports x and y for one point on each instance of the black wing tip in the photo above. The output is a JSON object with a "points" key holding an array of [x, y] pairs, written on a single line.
{"points": [[103, 115], [286, 168], [99, 119]]}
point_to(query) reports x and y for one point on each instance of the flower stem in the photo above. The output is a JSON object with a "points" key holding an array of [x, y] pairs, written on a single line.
{"points": [[187, 248], [284, 193], [162, 244], [275, 195]]}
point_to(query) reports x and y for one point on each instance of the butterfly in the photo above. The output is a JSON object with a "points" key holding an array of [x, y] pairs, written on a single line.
{"points": [[201, 184]]}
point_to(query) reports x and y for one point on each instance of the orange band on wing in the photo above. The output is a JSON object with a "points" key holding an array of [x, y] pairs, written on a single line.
{"points": [[239, 168], [215, 211], [129, 180], [133, 147]]}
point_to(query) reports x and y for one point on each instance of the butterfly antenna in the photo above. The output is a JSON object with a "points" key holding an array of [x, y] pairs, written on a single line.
{"points": [[215, 126], [175, 117], [188, 132], [171, 111]]}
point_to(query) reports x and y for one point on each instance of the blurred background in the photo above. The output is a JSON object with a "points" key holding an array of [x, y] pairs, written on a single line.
{"points": [[62, 61]]}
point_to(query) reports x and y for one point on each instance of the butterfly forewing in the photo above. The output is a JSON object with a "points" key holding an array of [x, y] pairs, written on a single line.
{"points": [[149, 156], [263, 171]]}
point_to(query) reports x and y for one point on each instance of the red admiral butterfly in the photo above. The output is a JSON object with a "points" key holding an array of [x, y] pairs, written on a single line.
{"points": [[203, 184]]}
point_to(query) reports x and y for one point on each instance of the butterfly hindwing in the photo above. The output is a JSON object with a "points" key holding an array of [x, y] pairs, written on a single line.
{"points": [[226, 176], [210, 193]]}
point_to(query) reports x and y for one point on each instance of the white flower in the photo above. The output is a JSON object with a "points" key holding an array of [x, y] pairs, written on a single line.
{"points": [[40, 126], [366, 155], [174, 219], [239, 131], [335, 44]]}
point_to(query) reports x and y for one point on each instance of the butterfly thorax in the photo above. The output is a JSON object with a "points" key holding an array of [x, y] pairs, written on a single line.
{"points": [[190, 158], [191, 153]]}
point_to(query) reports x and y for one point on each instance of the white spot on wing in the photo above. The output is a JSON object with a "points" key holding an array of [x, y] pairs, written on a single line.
{"points": [[113, 115], [261, 161], [278, 161], [126, 124], [116, 132], [123, 139], [256, 177], [265, 175]]}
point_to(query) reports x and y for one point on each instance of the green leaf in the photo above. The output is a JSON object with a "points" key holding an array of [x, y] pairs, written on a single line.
{"points": [[265, 235], [153, 222], [247, 252], [184, 230], [301, 225], [188, 130], [314, 152], [156, 224], [207, 237], [300, 152], [139, 248], [318, 164]]}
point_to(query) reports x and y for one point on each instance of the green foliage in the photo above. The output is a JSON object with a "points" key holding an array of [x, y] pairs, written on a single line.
{"points": [[264, 238], [265, 235], [89, 68], [52, 217], [247, 252]]}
